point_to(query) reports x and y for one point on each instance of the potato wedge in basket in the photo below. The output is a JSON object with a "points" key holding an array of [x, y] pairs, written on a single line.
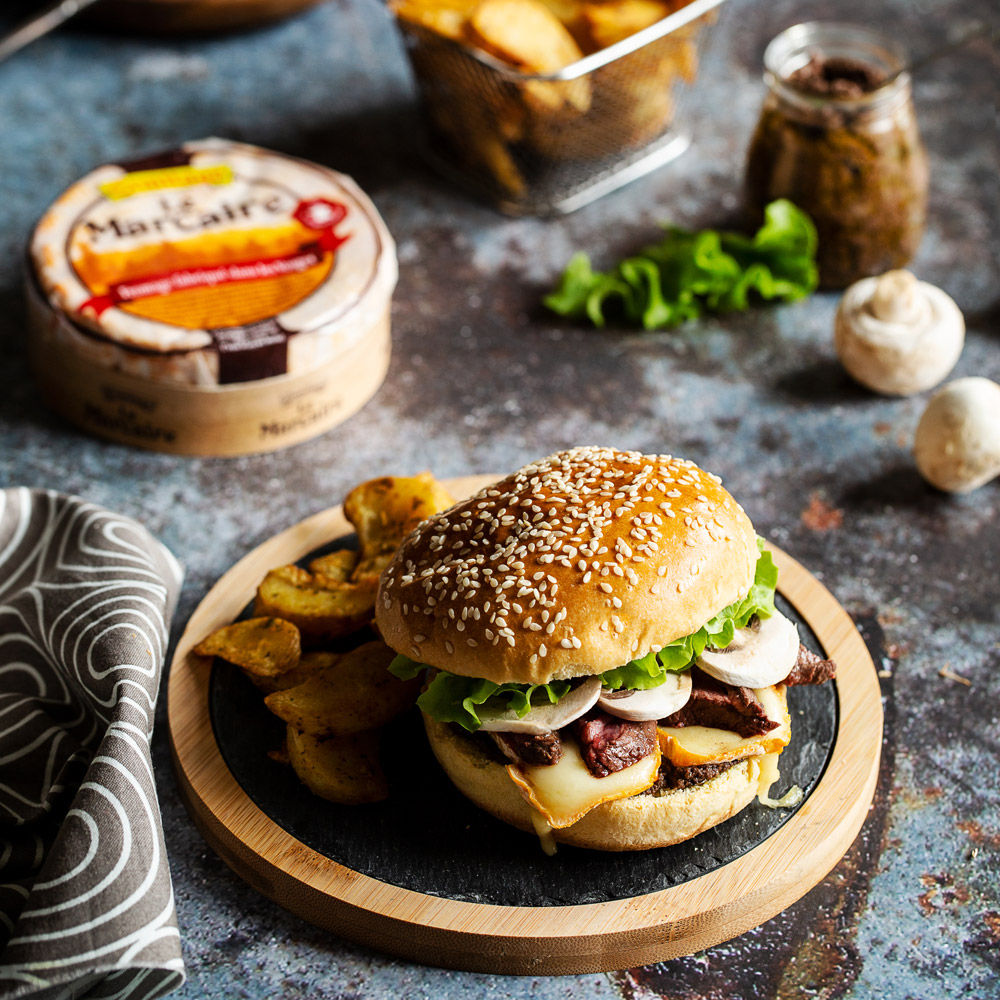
{"points": [[528, 36], [611, 21], [524, 33], [444, 17], [265, 647], [343, 769], [353, 694]]}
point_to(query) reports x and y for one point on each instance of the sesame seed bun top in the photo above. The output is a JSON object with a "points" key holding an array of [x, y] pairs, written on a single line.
{"points": [[570, 566]]}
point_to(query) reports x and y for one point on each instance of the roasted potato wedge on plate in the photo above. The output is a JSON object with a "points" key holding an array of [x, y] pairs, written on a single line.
{"points": [[384, 511], [333, 703], [355, 693], [321, 607], [308, 665], [342, 769], [336, 566], [264, 647]]}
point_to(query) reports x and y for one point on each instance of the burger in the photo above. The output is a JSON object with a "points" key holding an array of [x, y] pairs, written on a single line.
{"points": [[604, 661]]}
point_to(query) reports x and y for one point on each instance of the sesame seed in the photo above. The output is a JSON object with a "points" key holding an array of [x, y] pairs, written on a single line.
{"points": [[557, 512]]}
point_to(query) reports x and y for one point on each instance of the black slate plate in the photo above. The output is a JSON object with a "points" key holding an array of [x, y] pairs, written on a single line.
{"points": [[428, 838]]}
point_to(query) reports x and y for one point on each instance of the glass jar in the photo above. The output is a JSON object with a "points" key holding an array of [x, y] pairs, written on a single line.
{"points": [[852, 160]]}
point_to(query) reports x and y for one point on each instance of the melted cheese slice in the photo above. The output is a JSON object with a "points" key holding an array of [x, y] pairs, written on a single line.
{"points": [[566, 791], [687, 746]]}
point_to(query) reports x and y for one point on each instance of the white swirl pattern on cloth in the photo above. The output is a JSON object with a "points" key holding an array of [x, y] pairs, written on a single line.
{"points": [[86, 903]]}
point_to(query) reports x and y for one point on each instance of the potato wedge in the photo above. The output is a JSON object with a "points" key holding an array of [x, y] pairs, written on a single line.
{"points": [[570, 13], [354, 694], [528, 36], [610, 22], [524, 33], [343, 769], [496, 157], [337, 566], [265, 646], [445, 17], [308, 665], [384, 511], [319, 606]]}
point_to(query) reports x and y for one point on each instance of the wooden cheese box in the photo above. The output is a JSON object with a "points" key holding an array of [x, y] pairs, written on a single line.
{"points": [[214, 300]]}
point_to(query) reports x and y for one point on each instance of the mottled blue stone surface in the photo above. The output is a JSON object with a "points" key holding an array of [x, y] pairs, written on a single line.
{"points": [[482, 380]]}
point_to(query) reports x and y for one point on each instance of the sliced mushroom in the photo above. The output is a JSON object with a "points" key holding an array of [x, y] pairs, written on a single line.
{"points": [[650, 704], [545, 717], [761, 654]]}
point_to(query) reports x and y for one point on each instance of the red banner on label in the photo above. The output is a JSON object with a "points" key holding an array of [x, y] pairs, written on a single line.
{"points": [[188, 278], [318, 214]]}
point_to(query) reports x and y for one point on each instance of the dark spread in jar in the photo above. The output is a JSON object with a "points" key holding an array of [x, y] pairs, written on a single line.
{"points": [[837, 78], [839, 138]]}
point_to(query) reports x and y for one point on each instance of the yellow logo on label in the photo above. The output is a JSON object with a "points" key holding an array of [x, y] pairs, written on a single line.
{"points": [[145, 181]]}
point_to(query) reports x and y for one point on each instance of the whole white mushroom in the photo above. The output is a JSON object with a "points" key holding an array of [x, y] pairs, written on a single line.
{"points": [[957, 444], [898, 335]]}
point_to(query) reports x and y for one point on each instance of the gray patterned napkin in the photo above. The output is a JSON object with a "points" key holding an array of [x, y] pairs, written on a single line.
{"points": [[86, 905]]}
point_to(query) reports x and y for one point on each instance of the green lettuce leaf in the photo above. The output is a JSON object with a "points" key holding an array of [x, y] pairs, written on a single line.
{"points": [[404, 668], [652, 669], [689, 273], [451, 698]]}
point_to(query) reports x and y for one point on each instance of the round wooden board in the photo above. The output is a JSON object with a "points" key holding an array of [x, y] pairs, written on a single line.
{"points": [[524, 940]]}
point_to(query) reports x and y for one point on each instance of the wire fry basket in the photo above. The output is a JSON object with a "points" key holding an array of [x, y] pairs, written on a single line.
{"points": [[548, 143]]}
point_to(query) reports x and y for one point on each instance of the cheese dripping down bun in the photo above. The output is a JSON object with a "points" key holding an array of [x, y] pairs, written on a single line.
{"points": [[569, 567], [632, 823]]}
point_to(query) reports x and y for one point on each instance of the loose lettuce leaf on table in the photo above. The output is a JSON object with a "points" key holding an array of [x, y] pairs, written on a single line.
{"points": [[689, 273]]}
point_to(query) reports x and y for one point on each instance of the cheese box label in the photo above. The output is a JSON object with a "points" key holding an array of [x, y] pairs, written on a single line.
{"points": [[218, 248]]}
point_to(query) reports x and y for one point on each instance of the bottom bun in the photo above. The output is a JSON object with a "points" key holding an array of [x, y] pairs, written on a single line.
{"points": [[637, 823]]}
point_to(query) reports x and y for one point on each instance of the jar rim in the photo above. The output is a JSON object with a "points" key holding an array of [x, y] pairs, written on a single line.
{"points": [[795, 46]]}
